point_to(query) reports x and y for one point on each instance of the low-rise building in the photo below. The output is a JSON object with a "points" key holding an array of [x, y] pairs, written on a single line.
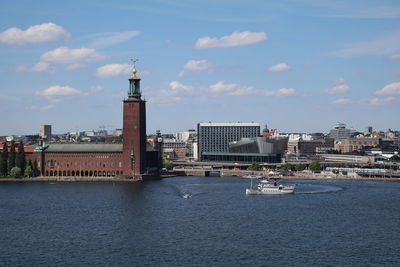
{"points": [[354, 144]]}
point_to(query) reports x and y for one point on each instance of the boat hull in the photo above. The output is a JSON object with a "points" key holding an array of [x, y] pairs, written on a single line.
{"points": [[269, 191]]}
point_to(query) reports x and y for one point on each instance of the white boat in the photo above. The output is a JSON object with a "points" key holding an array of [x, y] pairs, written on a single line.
{"points": [[252, 176], [266, 187], [186, 195]]}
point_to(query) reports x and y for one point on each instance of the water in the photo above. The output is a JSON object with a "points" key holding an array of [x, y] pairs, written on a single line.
{"points": [[326, 223]]}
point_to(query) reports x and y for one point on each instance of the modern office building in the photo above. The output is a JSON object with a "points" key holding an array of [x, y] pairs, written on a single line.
{"points": [[368, 130], [215, 137], [45, 131], [340, 132]]}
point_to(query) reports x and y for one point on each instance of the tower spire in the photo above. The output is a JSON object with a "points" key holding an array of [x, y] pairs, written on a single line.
{"points": [[134, 83]]}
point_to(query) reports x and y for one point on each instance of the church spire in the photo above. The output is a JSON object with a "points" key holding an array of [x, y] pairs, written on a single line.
{"points": [[134, 83]]}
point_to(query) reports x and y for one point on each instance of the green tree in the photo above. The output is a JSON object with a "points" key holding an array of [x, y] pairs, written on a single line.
{"points": [[169, 165], [20, 161], [3, 160], [255, 167], [300, 167], [289, 167], [28, 171], [11, 157], [315, 166], [15, 172]]}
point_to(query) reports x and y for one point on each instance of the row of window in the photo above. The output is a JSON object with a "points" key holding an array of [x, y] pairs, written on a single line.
{"points": [[61, 164], [71, 155], [83, 173]]}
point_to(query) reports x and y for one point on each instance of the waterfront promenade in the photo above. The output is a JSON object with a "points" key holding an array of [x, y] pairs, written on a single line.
{"points": [[295, 176]]}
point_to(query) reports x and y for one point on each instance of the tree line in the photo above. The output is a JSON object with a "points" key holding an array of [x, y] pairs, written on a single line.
{"points": [[13, 162]]}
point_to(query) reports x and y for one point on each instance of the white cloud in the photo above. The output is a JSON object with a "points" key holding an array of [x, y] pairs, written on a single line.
{"points": [[58, 90], [390, 89], [378, 101], [197, 65], [111, 38], [222, 87], [94, 90], [279, 67], [240, 90], [342, 101], [339, 80], [178, 87], [166, 101], [39, 67], [338, 89], [35, 107], [174, 94], [112, 70], [47, 32], [279, 92], [48, 107], [74, 66], [286, 92], [235, 39], [380, 46], [65, 55]]}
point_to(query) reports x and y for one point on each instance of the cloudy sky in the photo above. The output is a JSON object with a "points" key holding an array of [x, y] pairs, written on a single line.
{"points": [[299, 65]]}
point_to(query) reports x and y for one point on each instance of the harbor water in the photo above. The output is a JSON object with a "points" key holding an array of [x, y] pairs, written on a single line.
{"points": [[324, 223]]}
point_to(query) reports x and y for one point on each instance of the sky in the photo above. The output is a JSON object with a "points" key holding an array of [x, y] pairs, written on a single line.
{"points": [[295, 65]]}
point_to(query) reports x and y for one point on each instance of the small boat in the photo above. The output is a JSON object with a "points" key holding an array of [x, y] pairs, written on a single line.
{"points": [[270, 187], [252, 176], [186, 195]]}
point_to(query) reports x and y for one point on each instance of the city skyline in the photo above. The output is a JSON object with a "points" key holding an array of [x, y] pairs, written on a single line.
{"points": [[299, 66]]}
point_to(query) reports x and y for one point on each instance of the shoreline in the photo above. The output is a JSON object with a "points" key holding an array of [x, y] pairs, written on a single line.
{"points": [[74, 179], [113, 179]]}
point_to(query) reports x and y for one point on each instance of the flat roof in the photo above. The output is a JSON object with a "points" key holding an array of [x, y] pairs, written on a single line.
{"points": [[84, 148], [236, 154], [229, 124]]}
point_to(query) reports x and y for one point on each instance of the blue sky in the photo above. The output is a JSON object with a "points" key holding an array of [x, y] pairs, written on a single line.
{"points": [[299, 66]]}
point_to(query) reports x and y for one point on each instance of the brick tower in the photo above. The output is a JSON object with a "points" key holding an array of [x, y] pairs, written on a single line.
{"points": [[134, 130]]}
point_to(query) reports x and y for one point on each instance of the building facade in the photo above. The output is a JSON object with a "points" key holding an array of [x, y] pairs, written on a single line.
{"points": [[349, 145], [340, 132], [215, 137], [45, 131]]}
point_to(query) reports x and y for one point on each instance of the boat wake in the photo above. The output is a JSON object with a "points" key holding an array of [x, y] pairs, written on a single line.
{"points": [[316, 189]]}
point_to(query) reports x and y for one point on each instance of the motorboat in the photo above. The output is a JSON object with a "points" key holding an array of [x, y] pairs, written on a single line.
{"points": [[252, 176], [270, 187], [186, 195]]}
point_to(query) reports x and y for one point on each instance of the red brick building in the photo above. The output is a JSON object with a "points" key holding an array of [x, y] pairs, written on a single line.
{"points": [[133, 158]]}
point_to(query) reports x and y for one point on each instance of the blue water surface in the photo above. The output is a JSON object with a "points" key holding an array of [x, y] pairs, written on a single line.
{"points": [[325, 223]]}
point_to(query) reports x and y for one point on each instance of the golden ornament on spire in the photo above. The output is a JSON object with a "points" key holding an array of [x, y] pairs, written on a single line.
{"points": [[134, 71]]}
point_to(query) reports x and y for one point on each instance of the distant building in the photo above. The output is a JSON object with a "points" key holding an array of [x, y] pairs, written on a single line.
{"points": [[185, 136], [173, 149], [310, 147], [255, 149], [340, 132], [215, 137], [45, 131], [349, 145], [368, 130]]}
